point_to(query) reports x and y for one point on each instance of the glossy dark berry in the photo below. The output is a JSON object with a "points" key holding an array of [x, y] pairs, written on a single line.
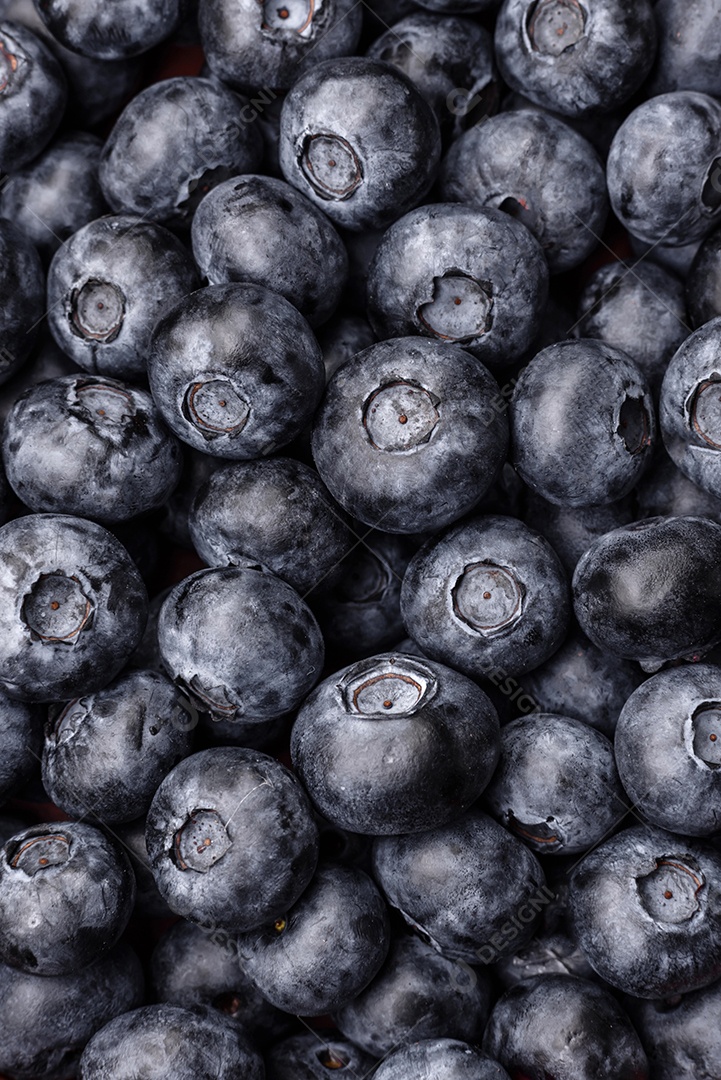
{"points": [[34, 92]]}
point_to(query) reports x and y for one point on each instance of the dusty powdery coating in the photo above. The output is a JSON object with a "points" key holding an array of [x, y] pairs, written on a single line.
{"points": [[34, 92], [111, 31], [231, 839], [703, 281], [443, 1059], [406, 438], [310, 1057], [89, 446], [22, 287], [668, 749], [689, 41], [536, 1028], [541, 172], [394, 744], [681, 1036], [172, 143], [466, 275], [72, 607], [646, 910], [488, 596], [241, 642], [359, 140], [107, 288]]}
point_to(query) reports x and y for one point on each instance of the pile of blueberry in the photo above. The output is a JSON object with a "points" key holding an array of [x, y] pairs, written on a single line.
{"points": [[360, 545]]}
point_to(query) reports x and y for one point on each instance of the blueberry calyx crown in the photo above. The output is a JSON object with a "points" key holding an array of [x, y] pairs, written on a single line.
{"points": [[634, 425], [487, 598], [56, 609], [97, 311], [461, 308], [103, 402], [331, 1059], [39, 853], [8, 66], [670, 892], [400, 416], [706, 734], [704, 410], [330, 165], [545, 832], [395, 686], [552, 26], [215, 407], [289, 16], [201, 841]]}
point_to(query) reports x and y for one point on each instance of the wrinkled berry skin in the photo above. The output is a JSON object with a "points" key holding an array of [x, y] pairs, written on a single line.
{"points": [[334, 941], [636, 936], [22, 286], [406, 437], [640, 311], [575, 58], [663, 172], [236, 371], [688, 411], [21, 737], [33, 97], [703, 282], [668, 749], [451, 62], [533, 1030], [456, 1001], [109, 751], [395, 744], [461, 884], [89, 446], [247, 46], [382, 132], [689, 42], [240, 642], [446, 587], [167, 1040], [570, 530], [191, 966], [261, 230], [57, 194], [277, 511], [46, 1022], [584, 682], [538, 169], [582, 424], [439, 254], [66, 894], [651, 591], [114, 31], [172, 143], [110, 262], [681, 1037], [573, 802], [305, 1057], [72, 607], [443, 1059], [263, 845]]}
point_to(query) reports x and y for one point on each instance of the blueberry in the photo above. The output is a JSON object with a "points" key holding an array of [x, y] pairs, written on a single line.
{"points": [[470, 888], [689, 41], [563, 1027], [191, 966], [570, 804], [597, 128], [314, 1057], [66, 894], [393, 744], [540, 171], [664, 491], [451, 62], [664, 168], [582, 424], [638, 309], [56, 194], [406, 438], [241, 642], [681, 1035], [646, 908], [46, 362], [574, 57], [443, 1059], [22, 285], [21, 728], [550, 952], [257, 229], [107, 288], [266, 44], [668, 749], [231, 839], [107, 752], [235, 370], [72, 607], [571, 530], [89, 446], [489, 596], [276, 511], [46, 1022], [651, 591], [584, 682], [149, 904], [326, 949], [110, 32], [34, 92], [169, 1041], [418, 994], [464, 275], [703, 283], [172, 143], [342, 338], [359, 140]]}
